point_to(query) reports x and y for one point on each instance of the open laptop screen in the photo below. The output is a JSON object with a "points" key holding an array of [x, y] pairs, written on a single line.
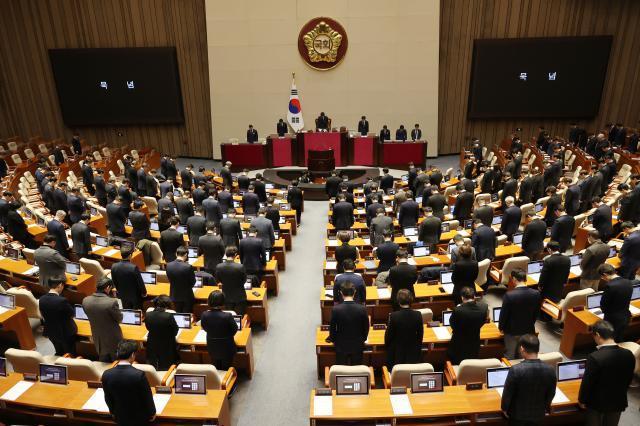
{"points": [[495, 314], [8, 301], [72, 268], [183, 320], [149, 278], [446, 277], [571, 370], [496, 377], [593, 300], [102, 241], [517, 239], [534, 267], [446, 318], [131, 316], [79, 313]]}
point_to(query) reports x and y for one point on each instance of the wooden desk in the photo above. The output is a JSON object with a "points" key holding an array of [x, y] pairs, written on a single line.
{"points": [[107, 260], [14, 325], [452, 405], [269, 275], [195, 352], [577, 329], [58, 404], [434, 349]]}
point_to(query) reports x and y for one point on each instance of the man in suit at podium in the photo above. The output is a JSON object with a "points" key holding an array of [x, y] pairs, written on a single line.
{"points": [[252, 134], [281, 128], [322, 122], [385, 134], [416, 133], [363, 126], [401, 134]]}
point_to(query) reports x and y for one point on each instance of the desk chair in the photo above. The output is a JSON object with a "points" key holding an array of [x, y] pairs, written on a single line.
{"points": [[29, 154], [502, 276], [483, 268], [28, 255], [27, 361], [526, 154], [484, 196], [135, 155], [43, 149], [152, 205], [156, 257], [13, 146], [427, 314], [97, 156], [26, 300], [106, 152], [120, 166], [401, 374], [16, 159], [216, 379], [154, 377], [52, 160], [525, 209], [94, 268], [579, 220], [84, 370], [558, 311], [550, 358], [635, 350], [346, 370], [469, 370]]}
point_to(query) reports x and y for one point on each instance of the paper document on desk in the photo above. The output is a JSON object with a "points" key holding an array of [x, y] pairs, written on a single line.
{"points": [[559, 397], [333, 243], [332, 265], [367, 241], [160, 400], [31, 271], [412, 239], [384, 293], [201, 337], [111, 252], [448, 288], [535, 277], [597, 312], [401, 404], [96, 402], [3, 310], [322, 405], [192, 260], [16, 390], [499, 390], [465, 234], [576, 270], [634, 310], [442, 333], [411, 261]]}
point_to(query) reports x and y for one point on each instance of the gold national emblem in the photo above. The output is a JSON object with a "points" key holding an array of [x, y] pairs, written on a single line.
{"points": [[322, 43]]}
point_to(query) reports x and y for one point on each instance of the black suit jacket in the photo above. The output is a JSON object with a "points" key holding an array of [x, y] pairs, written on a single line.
{"points": [[401, 134], [533, 237], [484, 213], [386, 254], [182, 278], [363, 127], [58, 315], [349, 327], [615, 302], [437, 203], [250, 203], [57, 229], [170, 240], [184, 206], [128, 395], [602, 221], [408, 214], [212, 247], [552, 204], [554, 276], [402, 276], [140, 224], [252, 254], [76, 207], [630, 255], [607, 377], [463, 206], [511, 220], [403, 337], [332, 186], [81, 237], [416, 134], [509, 190], [342, 216], [281, 128], [231, 232], [465, 272], [520, 308], [572, 200], [430, 230], [295, 198], [221, 329], [128, 281], [526, 191], [466, 321], [562, 231], [484, 241], [59, 201], [161, 341], [385, 135], [345, 251], [386, 182], [261, 190], [243, 182], [232, 276], [117, 217], [197, 227], [528, 391]]}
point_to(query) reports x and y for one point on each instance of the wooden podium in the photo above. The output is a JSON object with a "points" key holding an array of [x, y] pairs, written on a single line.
{"points": [[321, 162]]}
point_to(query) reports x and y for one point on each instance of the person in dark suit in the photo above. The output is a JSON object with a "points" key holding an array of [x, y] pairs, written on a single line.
{"points": [[511, 218], [342, 214], [464, 204], [533, 236], [151, 184], [530, 386], [221, 329], [5, 201], [141, 180], [401, 134], [409, 212], [51, 263], [17, 228], [436, 201], [250, 202], [162, 350], [615, 301], [332, 185], [520, 308], [386, 180], [402, 276], [252, 253], [630, 255], [127, 391], [200, 193], [260, 188], [602, 219], [385, 134], [344, 250], [295, 197], [104, 319], [172, 170], [571, 198], [140, 223], [322, 122], [562, 229], [465, 272], [76, 146], [225, 174], [554, 274], [128, 281], [484, 241], [416, 133], [211, 246], [430, 229], [466, 321], [59, 195], [197, 226], [184, 207], [101, 188], [211, 207], [76, 205], [349, 328], [403, 336], [386, 253], [57, 228], [182, 278], [231, 276], [363, 126], [126, 196], [117, 217], [81, 236], [166, 187], [510, 187], [281, 128], [171, 240], [231, 230], [186, 176], [553, 203], [607, 376], [594, 255], [243, 180], [483, 212], [57, 315]]}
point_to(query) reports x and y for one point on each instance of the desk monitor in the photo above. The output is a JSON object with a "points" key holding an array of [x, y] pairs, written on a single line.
{"points": [[94, 211], [404, 178], [635, 294], [12, 253], [282, 220], [127, 245], [575, 259], [496, 377], [410, 232], [199, 282], [497, 220], [539, 207], [131, 316], [517, 238], [56, 374], [468, 224], [427, 382], [268, 186], [419, 200], [248, 284], [446, 318], [236, 204], [452, 210], [7, 301], [190, 384], [534, 267], [102, 241], [129, 222], [183, 320], [446, 227], [72, 268], [192, 252], [446, 277], [149, 278], [40, 221], [571, 370], [613, 252], [495, 197], [421, 251], [182, 229], [3, 367], [154, 226], [238, 320], [593, 300], [495, 314], [370, 263], [79, 313], [352, 385]]}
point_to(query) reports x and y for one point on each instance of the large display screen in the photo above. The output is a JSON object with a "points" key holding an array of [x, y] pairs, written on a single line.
{"points": [[118, 86], [558, 77]]}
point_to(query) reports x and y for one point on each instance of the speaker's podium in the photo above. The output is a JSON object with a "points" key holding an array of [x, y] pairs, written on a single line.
{"points": [[320, 163]]}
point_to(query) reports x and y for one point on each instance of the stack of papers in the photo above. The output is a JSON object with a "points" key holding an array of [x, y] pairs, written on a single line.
{"points": [[559, 397], [160, 400], [322, 405], [16, 390], [332, 265], [31, 271], [96, 402], [384, 293], [576, 270], [411, 261], [448, 288], [442, 333], [401, 404], [111, 252], [201, 337]]}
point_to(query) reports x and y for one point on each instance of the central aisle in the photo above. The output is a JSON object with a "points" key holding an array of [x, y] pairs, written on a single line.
{"points": [[285, 370]]}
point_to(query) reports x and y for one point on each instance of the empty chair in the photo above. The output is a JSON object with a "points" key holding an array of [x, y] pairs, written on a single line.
{"points": [[483, 197], [470, 371], [93, 267], [135, 155], [28, 255], [550, 358], [84, 370], [484, 151], [156, 259], [453, 224], [27, 361], [26, 300], [579, 219], [13, 147], [52, 160], [152, 205], [450, 190], [28, 152], [483, 268], [16, 159], [558, 311], [215, 379], [502, 276], [346, 370], [427, 314], [527, 153], [43, 149], [120, 166], [449, 172], [155, 377], [635, 350], [106, 152], [526, 208], [97, 156], [401, 374]]}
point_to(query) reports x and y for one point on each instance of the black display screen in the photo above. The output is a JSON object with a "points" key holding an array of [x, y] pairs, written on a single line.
{"points": [[118, 86], [558, 77]]}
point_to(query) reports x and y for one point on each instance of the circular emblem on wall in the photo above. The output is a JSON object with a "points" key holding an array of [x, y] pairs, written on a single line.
{"points": [[322, 43]]}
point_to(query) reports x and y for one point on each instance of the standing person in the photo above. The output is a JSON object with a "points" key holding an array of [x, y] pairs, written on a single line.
{"points": [[595, 255], [221, 329], [465, 272], [530, 386], [162, 350], [349, 275], [630, 255], [520, 308], [51, 263], [231, 277], [615, 301], [296, 199], [182, 278], [607, 376], [230, 229], [511, 218], [349, 328], [281, 128], [171, 240], [386, 253], [380, 225], [363, 126], [57, 228], [211, 247], [252, 253], [533, 236], [127, 280], [81, 236], [104, 318], [554, 274], [197, 226], [140, 224], [466, 321], [127, 391], [402, 276], [562, 229], [602, 219], [403, 336], [57, 314], [484, 240]]}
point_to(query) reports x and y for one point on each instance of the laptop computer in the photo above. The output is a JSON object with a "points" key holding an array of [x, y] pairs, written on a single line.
{"points": [[421, 251], [192, 252], [149, 278], [238, 320], [635, 294], [154, 226], [495, 314], [571, 370], [446, 318], [534, 269], [79, 313], [183, 320], [496, 377], [497, 220], [131, 316], [12, 253], [72, 268], [446, 227], [102, 241], [3, 367], [593, 304], [7, 301], [538, 208], [517, 238]]}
